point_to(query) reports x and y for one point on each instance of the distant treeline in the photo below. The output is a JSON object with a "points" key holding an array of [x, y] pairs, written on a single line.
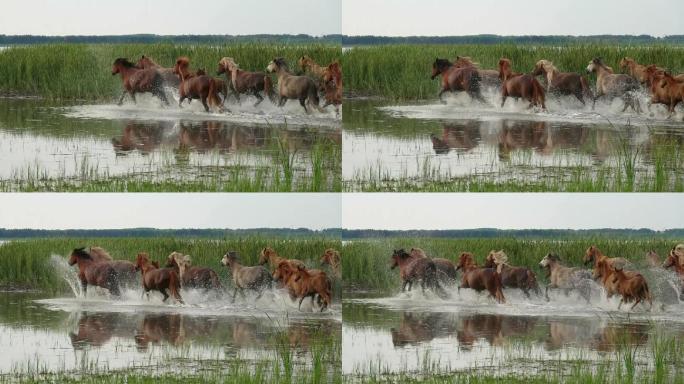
{"points": [[497, 39], [521, 233], [152, 232], [174, 39]]}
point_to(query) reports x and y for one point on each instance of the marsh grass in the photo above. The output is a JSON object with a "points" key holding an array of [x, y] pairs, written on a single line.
{"points": [[402, 72], [83, 71], [25, 263], [366, 262]]}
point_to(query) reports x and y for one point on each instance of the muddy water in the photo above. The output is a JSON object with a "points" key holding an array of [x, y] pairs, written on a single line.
{"points": [[404, 333], [499, 144], [40, 139], [66, 333]]}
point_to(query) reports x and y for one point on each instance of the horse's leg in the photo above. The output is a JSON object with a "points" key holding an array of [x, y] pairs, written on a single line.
{"points": [[282, 101], [621, 301], [302, 102], [132, 93], [234, 295], [123, 94], [259, 98], [203, 98], [84, 286], [546, 293], [180, 101], [403, 286], [441, 100], [300, 302], [166, 295]]}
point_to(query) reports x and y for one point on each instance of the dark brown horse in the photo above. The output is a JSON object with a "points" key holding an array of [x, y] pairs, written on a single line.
{"points": [[454, 79], [563, 83], [480, 279], [488, 77], [252, 83], [158, 279], [125, 270], [170, 79], [200, 86], [519, 85], [332, 86], [92, 272], [415, 269], [302, 88], [515, 277], [446, 270], [136, 80]]}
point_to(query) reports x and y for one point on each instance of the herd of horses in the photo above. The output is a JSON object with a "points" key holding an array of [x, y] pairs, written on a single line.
{"points": [[614, 274], [146, 76], [464, 75], [97, 268]]}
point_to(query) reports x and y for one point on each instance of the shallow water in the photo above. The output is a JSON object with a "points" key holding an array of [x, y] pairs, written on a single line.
{"points": [[405, 333], [79, 143], [392, 142]]}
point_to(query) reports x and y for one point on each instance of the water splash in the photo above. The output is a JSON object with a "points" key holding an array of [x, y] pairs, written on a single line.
{"points": [[67, 272]]}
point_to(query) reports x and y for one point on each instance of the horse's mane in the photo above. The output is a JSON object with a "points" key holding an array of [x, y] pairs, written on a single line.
{"points": [[280, 61], [82, 253], [418, 252], [149, 60], [98, 253], [500, 257], [466, 61], [547, 65], [124, 61], [228, 61]]}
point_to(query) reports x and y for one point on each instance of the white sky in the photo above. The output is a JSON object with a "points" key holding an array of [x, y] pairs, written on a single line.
{"points": [[169, 17], [402, 211], [519, 17], [169, 210]]}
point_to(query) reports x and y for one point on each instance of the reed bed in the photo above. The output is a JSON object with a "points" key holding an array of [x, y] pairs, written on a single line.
{"points": [[26, 263], [402, 72], [366, 263], [79, 71]]}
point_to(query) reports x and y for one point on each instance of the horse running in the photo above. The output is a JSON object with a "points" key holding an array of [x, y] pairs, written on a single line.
{"points": [[519, 85], [201, 87], [454, 79], [255, 278], [136, 80], [301, 88], [92, 272], [614, 85], [158, 279], [193, 277], [415, 269], [603, 268], [446, 270], [488, 77], [563, 83], [565, 278], [252, 83], [513, 277], [169, 77]]}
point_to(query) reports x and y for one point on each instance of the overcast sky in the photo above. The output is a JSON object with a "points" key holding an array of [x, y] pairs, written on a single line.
{"points": [[519, 17], [401, 211], [169, 210], [169, 17]]}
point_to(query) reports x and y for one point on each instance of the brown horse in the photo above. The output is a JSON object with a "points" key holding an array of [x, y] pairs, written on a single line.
{"points": [[519, 85], [614, 85], [488, 77], [92, 272], [415, 269], [310, 67], [514, 277], [480, 279], [252, 83], [676, 261], [603, 268], [563, 83], [446, 270], [136, 80], [454, 79], [635, 69], [125, 270], [332, 258], [673, 89], [193, 277], [332, 86], [170, 79], [270, 256], [301, 88], [200, 86], [158, 279]]}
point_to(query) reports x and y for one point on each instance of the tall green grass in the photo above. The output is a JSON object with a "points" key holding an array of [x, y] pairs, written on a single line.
{"points": [[403, 71], [366, 263], [76, 71], [26, 264]]}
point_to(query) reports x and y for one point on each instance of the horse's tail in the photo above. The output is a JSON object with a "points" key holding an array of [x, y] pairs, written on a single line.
{"points": [[268, 87], [213, 94], [539, 96], [313, 96], [215, 281], [174, 286], [532, 282], [586, 90], [498, 285]]}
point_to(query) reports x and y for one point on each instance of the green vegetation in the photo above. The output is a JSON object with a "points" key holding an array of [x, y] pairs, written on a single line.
{"points": [[366, 263], [26, 263], [402, 72], [73, 71]]}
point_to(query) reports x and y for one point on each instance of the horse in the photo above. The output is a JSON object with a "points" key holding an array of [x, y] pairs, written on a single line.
{"points": [[446, 270], [634, 69], [603, 268], [480, 279], [310, 67], [254, 278], [169, 77], [200, 86], [193, 277], [519, 85], [614, 85], [565, 278], [415, 269], [92, 272], [676, 260], [332, 86], [488, 77], [563, 83], [673, 89], [457, 79], [125, 270], [270, 256], [302, 88], [332, 258], [158, 279], [245, 82], [136, 80], [513, 277]]}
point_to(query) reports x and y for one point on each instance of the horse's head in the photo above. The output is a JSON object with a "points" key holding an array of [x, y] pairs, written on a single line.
{"points": [[626, 62], [465, 260], [78, 253], [590, 255], [277, 64], [141, 260], [230, 258], [181, 66], [439, 66], [226, 64], [504, 68], [489, 260], [265, 255], [671, 260], [398, 256], [145, 62], [595, 64], [120, 64], [303, 62], [283, 271], [548, 260], [330, 257], [418, 253], [540, 68]]}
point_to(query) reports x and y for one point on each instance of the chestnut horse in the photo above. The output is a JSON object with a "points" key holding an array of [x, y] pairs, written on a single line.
{"points": [[200, 86], [488, 77], [416, 269], [332, 86], [563, 83], [245, 82], [519, 85], [158, 279], [446, 270], [636, 70], [136, 80], [603, 268], [310, 67], [302, 88], [169, 77], [614, 85], [514, 277], [480, 279], [676, 261], [457, 79], [193, 277], [93, 272], [125, 270]]}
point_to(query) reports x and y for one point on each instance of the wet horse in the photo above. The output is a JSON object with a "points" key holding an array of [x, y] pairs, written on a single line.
{"points": [[488, 77], [480, 279], [676, 261], [635, 69], [252, 83], [202, 87], [565, 278], [170, 79], [519, 85], [514, 277], [446, 270], [136, 80], [93, 272], [193, 277], [603, 268], [255, 278], [454, 79], [614, 85], [158, 279], [415, 269], [301, 88], [563, 83], [332, 86], [310, 67]]}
